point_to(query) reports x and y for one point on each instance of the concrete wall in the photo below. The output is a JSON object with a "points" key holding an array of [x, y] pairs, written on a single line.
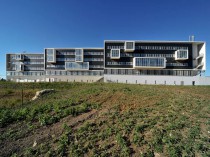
{"points": [[164, 80], [73, 78], [131, 79], [55, 78]]}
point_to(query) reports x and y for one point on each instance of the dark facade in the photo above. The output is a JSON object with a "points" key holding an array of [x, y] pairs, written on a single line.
{"points": [[185, 65]]}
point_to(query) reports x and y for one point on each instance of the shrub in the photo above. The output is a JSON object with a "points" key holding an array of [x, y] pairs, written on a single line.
{"points": [[44, 119], [5, 117], [174, 151], [21, 114], [137, 139], [63, 143], [141, 128]]}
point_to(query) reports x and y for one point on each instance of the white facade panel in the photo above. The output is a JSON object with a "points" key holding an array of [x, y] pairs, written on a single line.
{"points": [[158, 80]]}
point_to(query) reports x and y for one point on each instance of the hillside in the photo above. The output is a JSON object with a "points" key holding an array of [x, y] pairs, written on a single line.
{"points": [[101, 119]]}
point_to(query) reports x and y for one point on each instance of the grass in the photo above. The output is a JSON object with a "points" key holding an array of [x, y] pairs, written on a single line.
{"points": [[100, 119]]}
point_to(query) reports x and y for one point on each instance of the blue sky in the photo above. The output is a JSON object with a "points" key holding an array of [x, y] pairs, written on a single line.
{"points": [[32, 25]]}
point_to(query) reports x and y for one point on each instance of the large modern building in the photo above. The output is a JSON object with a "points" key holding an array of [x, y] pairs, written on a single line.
{"points": [[155, 62], [25, 67], [56, 64], [137, 62]]}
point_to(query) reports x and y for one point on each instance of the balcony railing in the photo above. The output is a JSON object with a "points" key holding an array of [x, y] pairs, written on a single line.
{"points": [[149, 62]]}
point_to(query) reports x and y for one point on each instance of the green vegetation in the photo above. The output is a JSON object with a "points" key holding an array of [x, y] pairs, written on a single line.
{"points": [[100, 119]]}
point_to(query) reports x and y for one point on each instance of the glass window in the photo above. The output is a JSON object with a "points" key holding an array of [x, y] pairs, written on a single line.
{"points": [[115, 53], [78, 55], [51, 54], [77, 66], [149, 62], [129, 45], [181, 54]]}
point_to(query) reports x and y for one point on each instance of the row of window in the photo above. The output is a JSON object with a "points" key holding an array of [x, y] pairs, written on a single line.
{"points": [[14, 62], [93, 59], [18, 57], [85, 59], [131, 63], [65, 53], [25, 73], [96, 66], [85, 53], [34, 57], [143, 55], [34, 68], [33, 63], [21, 67], [93, 53], [119, 63], [63, 66], [149, 72], [75, 73], [55, 66], [149, 62], [77, 66], [177, 64], [91, 73], [151, 47], [65, 59]]}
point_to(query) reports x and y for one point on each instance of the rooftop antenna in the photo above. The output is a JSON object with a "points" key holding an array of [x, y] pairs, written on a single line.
{"points": [[192, 38]]}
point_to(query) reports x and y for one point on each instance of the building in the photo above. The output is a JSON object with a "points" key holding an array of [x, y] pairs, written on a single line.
{"points": [[136, 62], [76, 64], [155, 62], [25, 67], [55, 64]]}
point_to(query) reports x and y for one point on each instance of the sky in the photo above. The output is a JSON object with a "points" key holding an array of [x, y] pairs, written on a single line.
{"points": [[32, 25]]}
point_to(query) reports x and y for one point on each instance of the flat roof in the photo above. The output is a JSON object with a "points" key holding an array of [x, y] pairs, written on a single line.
{"points": [[155, 41], [87, 48], [25, 53]]}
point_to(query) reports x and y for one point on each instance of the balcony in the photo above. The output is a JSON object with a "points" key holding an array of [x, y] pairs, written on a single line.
{"points": [[51, 55], [181, 55], [79, 55], [19, 67], [19, 57], [129, 46], [115, 54], [149, 62], [77, 66]]}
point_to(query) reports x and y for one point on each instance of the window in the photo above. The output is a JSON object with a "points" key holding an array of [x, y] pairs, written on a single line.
{"points": [[77, 66], [78, 55], [181, 54], [149, 62], [177, 64], [19, 57], [129, 46], [19, 67], [115, 53], [51, 55]]}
